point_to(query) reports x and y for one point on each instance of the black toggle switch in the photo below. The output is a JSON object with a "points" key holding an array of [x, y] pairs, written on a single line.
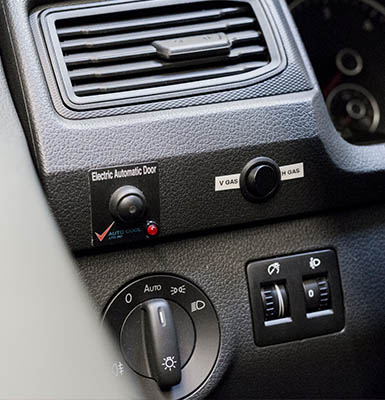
{"points": [[260, 179], [275, 301], [161, 343], [128, 204], [317, 294]]}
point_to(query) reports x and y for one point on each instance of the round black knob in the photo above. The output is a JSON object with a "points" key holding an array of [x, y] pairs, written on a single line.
{"points": [[168, 333], [128, 204], [260, 179]]}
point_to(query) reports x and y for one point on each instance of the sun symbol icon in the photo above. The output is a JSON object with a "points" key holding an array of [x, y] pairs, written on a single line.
{"points": [[169, 363]]}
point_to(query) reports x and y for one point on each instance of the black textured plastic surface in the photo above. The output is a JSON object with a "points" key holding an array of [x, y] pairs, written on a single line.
{"points": [[188, 141], [200, 144], [347, 364], [194, 145]]}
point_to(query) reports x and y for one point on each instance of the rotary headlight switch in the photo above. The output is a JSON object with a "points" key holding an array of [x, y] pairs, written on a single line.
{"points": [[168, 334]]}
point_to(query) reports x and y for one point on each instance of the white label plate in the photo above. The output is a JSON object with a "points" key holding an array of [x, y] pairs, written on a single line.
{"points": [[292, 171], [227, 182]]}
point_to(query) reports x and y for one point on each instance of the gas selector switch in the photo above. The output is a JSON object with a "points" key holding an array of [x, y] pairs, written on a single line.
{"points": [[128, 204], [317, 294], [260, 179]]}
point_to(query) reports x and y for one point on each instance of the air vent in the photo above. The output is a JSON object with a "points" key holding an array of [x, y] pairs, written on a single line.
{"points": [[149, 50]]}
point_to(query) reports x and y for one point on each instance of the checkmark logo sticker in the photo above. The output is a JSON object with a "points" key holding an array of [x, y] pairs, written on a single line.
{"points": [[104, 234]]}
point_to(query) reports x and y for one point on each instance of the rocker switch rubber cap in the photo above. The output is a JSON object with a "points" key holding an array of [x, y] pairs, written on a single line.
{"points": [[260, 179], [128, 204], [161, 343]]}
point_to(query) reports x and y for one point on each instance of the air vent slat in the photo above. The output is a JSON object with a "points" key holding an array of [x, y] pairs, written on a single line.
{"points": [[243, 36], [172, 78], [117, 51], [152, 65], [146, 23], [126, 53], [138, 37], [122, 54]]}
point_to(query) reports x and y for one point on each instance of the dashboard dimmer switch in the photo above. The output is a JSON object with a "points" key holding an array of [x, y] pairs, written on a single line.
{"points": [[317, 294], [295, 297], [275, 301]]}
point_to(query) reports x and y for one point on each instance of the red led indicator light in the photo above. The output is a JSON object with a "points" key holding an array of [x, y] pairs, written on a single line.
{"points": [[152, 229]]}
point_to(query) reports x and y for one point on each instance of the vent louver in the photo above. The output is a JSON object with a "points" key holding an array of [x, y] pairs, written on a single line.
{"points": [[141, 49]]}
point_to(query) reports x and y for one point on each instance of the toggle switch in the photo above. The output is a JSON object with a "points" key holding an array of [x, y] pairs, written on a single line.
{"points": [[275, 301], [260, 179], [128, 204], [317, 294]]}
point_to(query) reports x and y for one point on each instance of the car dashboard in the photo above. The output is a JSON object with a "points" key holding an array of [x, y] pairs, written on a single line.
{"points": [[215, 169]]}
